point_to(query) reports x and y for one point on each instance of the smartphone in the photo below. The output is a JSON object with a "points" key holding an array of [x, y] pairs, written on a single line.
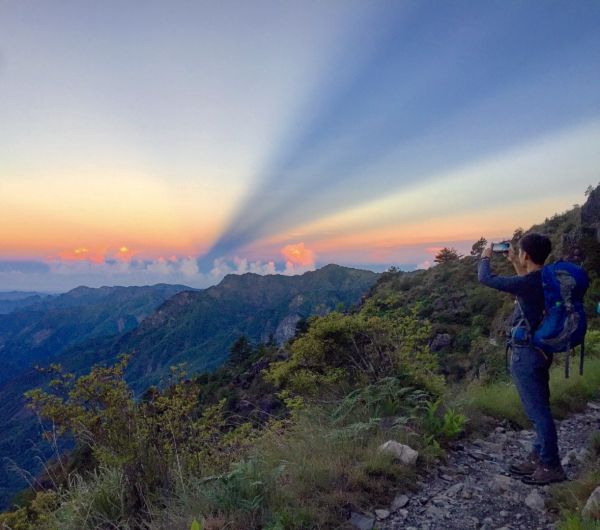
{"points": [[501, 247]]}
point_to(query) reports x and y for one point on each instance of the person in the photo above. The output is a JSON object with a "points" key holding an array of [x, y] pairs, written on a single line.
{"points": [[529, 366]]}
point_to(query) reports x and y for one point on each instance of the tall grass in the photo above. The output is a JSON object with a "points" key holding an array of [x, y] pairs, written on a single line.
{"points": [[500, 399], [310, 474]]}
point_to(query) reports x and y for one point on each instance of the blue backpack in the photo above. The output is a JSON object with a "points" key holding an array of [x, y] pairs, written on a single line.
{"points": [[564, 324]]}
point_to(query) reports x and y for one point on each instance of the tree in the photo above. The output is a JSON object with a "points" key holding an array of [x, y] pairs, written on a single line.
{"points": [[240, 350], [446, 254], [479, 246], [589, 190], [518, 234]]}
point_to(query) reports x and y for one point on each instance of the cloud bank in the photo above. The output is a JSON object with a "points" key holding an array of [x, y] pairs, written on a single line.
{"points": [[83, 266]]}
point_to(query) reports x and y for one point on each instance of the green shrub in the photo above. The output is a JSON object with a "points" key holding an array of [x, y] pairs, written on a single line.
{"points": [[342, 352], [386, 397], [442, 426]]}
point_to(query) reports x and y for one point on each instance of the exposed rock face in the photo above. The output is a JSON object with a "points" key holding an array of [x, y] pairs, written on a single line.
{"points": [[440, 341], [41, 336], [584, 240], [286, 328], [590, 211]]}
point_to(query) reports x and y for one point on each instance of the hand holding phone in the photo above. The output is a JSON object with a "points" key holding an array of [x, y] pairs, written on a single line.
{"points": [[501, 247]]}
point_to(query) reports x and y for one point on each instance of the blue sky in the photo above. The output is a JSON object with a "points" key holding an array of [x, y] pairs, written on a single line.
{"points": [[154, 141]]}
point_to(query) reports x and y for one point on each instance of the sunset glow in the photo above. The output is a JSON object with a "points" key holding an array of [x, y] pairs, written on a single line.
{"points": [[276, 138]]}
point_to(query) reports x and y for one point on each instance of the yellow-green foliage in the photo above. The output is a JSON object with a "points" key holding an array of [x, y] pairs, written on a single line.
{"points": [[500, 399], [340, 352], [592, 343], [142, 448], [32, 517]]}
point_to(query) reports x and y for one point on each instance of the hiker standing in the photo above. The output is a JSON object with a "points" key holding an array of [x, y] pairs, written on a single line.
{"points": [[529, 365]]}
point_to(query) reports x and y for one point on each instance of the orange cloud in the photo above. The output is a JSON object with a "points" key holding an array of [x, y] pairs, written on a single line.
{"points": [[298, 254], [81, 254], [433, 250]]}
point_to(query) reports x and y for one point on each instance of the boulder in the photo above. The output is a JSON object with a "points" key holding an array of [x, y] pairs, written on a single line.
{"points": [[400, 501], [535, 501], [407, 455], [591, 510]]}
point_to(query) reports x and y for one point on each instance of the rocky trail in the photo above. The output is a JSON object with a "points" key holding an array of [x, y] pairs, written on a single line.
{"points": [[473, 490]]}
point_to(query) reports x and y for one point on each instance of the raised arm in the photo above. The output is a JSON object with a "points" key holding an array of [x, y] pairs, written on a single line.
{"points": [[511, 284]]}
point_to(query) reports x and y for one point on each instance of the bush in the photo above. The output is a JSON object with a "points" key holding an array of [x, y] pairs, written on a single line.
{"points": [[342, 352]]}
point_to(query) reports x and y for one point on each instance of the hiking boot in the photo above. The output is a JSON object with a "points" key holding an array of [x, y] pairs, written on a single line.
{"points": [[527, 467], [545, 475]]}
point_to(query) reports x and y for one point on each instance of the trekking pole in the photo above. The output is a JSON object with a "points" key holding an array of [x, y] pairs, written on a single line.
{"points": [[567, 361], [508, 347], [581, 352]]}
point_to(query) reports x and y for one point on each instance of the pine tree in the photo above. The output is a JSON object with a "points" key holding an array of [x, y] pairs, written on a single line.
{"points": [[446, 254], [479, 246]]}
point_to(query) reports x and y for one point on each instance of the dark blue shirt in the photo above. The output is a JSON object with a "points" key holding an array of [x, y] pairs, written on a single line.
{"points": [[527, 288]]}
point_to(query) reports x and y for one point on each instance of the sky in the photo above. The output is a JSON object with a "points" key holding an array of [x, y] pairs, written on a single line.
{"points": [[176, 142]]}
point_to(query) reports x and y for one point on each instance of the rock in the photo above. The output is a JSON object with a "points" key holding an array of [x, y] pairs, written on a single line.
{"points": [[501, 483], [407, 455], [491, 447], [582, 454], [400, 501], [571, 456], [591, 510], [467, 494], [435, 512], [503, 513], [499, 438], [361, 522], [382, 514], [593, 406], [478, 455], [526, 434], [440, 341], [286, 329], [488, 520], [535, 501], [454, 489]]}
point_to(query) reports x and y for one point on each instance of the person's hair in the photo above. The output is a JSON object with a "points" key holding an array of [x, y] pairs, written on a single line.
{"points": [[538, 246]]}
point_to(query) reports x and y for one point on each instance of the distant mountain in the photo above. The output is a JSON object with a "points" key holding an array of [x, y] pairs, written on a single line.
{"points": [[46, 330], [14, 300], [48, 326], [161, 326], [198, 328]]}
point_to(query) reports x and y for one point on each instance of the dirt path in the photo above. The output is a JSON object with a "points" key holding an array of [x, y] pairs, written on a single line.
{"points": [[473, 490]]}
